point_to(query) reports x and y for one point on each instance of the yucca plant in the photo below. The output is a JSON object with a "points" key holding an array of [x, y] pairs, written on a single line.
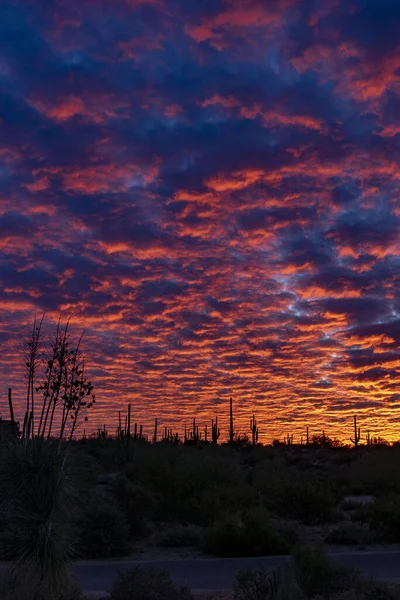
{"points": [[39, 499]]}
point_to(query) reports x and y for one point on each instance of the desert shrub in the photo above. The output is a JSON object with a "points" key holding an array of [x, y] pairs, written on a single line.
{"points": [[137, 503], [288, 532], [218, 500], [250, 534], [361, 588], [147, 584], [307, 502], [376, 472], [180, 536], [384, 518], [256, 585], [20, 586], [316, 575], [348, 534], [361, 513], [40, 498], [104, 530]]}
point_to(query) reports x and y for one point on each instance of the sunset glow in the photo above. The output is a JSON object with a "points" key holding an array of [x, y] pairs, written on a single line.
{"points": [[212, 188]]}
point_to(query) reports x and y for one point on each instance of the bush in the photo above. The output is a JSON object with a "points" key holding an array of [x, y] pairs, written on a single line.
{"points": [[362, 589], [316, 575], [307, 502], [20, 586], [147, 584], [385, 518], [137, 503], [104, 531], [349, 534], [252, 534], [256, 585], [180, 536], [217, 500]]}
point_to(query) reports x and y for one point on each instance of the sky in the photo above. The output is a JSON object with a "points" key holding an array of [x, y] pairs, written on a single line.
{"points": [[212, 188]]}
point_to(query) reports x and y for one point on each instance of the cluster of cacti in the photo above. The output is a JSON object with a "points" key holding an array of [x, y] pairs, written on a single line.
{"points": [[102, 434], [254, 430], [194, 435], [357, 433], [124, 434], [170, 437], [215, 431]]}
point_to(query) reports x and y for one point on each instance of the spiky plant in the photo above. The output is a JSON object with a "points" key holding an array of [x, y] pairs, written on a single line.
{"points": [[39, 498]]}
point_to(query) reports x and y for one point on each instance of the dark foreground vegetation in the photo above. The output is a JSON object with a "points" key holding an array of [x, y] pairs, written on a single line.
{"points": [[233, 501], [63, 498], [216, 499], [309, 576]]}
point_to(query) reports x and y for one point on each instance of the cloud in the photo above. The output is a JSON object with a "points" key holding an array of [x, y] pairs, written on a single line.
{"points": [[212, 189]]}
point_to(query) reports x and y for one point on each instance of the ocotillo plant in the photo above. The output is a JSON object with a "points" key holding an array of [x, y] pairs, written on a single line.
{"points": [[215, 432], [357, 433], [231, 431], [254, 430]]}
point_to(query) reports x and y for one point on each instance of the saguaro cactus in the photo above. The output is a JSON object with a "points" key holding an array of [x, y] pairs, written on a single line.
{"points": [[357, 433], [155, 431], [195, 433], [215, 432], [254, 430], [231, 432]]}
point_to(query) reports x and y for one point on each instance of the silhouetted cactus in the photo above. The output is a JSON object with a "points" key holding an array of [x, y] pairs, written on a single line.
{"points": [[215, 431], [102, 434], [194, 435], [155, 431], [254, 430], [357, 433], [231, 430]]}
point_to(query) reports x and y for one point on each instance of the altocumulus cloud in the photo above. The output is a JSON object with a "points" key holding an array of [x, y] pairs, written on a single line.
{"points": [[212, 188]]}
